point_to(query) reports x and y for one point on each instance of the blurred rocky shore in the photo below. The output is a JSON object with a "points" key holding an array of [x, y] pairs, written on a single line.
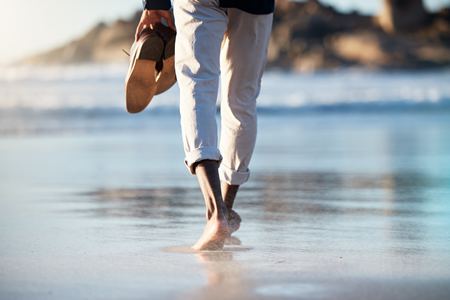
{"points": [[307, 36]]}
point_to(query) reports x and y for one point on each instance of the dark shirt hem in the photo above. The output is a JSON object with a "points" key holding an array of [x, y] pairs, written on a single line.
{"points": [[257, 7]]}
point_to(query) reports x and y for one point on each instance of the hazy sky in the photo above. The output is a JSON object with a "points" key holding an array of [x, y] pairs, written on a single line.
{"points": [[29, 26]]}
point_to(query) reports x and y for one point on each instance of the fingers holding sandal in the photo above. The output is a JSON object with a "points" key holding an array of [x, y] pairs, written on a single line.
{"points": [[167, 15], [158, 15], [150, 18], [147, 21]]}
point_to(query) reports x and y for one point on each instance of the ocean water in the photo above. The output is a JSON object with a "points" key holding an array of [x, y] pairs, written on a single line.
{"points": [[348, 196], [101, 87]]}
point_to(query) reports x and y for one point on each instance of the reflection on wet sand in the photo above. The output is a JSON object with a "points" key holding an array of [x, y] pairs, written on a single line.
{"points": [[353, 220], [281, 195], [311, 199], [397, 200], [225, 277]]}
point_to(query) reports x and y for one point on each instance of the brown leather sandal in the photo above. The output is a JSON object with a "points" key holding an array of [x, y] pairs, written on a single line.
{"points": [[140, 83], [166, 77]]}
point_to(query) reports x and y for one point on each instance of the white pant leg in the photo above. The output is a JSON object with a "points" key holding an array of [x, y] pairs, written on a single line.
{"points": [[243, 59], [201, 25]]}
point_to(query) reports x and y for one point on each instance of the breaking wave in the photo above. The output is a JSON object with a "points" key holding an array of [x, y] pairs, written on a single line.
{"points": [[99, 89]]}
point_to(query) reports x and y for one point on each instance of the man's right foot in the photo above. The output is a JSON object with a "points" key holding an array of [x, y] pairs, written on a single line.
{"points": [[214, 235]]}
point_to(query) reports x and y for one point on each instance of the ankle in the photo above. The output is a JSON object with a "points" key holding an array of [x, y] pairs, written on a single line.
{"points": [[219, 216], [228, 210]]}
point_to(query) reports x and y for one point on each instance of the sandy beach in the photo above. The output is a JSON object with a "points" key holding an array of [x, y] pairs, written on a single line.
{"points": [[340, 206], [349, 189]]}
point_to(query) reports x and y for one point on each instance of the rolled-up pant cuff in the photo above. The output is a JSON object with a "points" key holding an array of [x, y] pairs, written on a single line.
{"points": [[196, 155], [233, 177]]}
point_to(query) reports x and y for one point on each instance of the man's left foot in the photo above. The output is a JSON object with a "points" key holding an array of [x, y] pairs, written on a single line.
{"points": [[233, 241], [234, 221]]}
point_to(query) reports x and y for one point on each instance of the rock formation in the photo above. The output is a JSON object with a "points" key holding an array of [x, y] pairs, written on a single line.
{"points": [[402, 15], [307, 36]]}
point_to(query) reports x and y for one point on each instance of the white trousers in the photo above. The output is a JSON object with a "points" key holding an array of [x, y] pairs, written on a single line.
{"points": [[215, 44]]}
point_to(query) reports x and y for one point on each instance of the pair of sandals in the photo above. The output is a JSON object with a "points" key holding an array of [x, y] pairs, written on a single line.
{"points": [[152, 67]]}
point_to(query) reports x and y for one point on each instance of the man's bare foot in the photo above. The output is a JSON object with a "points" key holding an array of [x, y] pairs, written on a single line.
{"points": [[214, 235], [234, 221]]}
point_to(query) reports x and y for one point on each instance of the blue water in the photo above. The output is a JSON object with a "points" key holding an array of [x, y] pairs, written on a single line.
{"points": [[348, 196], [101, 87]]}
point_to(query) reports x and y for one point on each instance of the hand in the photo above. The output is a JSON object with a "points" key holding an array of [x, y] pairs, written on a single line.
{"points": [[151, 17]]}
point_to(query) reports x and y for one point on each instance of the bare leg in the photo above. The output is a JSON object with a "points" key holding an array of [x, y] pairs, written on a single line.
{"points": [[216, 229], [229, 194]]}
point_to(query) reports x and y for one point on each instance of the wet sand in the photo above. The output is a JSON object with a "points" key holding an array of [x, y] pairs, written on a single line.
{"points": [[338, 207]]}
